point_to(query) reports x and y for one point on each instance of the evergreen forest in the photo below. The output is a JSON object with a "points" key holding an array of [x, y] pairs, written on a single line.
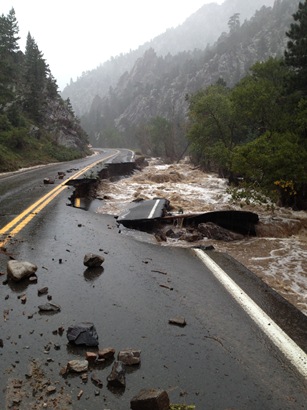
{"points": [[36, 125]]}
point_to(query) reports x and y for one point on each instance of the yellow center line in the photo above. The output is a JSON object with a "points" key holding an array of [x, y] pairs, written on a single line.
{"points": [[20, 221]]}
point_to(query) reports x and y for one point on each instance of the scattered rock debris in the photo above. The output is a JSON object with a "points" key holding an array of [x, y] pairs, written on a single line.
{"points": [[48, 181], [23, 299], [163, 285], [49, 307], [36, 391], [178, 321], [42, 291]]}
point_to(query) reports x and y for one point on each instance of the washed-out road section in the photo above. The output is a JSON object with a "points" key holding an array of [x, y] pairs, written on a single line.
{"points": [[220, 360]]}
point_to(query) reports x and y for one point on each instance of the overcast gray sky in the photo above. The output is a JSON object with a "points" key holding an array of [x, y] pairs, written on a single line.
{"points": [[76, 36]]}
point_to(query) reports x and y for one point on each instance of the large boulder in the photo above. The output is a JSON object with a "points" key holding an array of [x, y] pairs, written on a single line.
{"points": [[18, 270]]}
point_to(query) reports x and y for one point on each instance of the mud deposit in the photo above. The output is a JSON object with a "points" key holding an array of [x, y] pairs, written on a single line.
{"points": [[279, 252]]}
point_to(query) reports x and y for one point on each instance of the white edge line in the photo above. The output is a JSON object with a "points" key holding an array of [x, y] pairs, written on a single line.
{"points": [[153, 209], [286, 345]]}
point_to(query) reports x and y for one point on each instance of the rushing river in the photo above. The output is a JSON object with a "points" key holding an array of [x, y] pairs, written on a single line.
{"points": [[278, 255]]}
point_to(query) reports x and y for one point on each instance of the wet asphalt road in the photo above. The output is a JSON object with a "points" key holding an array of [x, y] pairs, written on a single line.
{"points": [[220, 360]]}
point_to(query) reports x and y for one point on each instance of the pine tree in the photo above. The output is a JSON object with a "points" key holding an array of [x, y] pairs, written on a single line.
{"points": [[35, 79], [296, 53], [11, 36], [8, 57]]}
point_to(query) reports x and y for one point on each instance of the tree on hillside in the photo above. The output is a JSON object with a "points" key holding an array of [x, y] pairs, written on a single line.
{"points": [[8, 57], [275, 162], [260, 100], [214, 128], [9, 36], [160, 134], [296, 53], [234, 23], [35, 76]]}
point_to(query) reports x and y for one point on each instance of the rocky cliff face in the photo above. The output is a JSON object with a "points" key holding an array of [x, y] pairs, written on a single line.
{"points": [[64, 126]]}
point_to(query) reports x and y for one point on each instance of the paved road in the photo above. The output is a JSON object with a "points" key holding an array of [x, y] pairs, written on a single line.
{"points": [[220, 360], [18, 190], [143, 211]]}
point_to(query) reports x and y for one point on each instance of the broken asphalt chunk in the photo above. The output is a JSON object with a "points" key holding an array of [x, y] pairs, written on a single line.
{"points": [[150, 399], [83, 334]]}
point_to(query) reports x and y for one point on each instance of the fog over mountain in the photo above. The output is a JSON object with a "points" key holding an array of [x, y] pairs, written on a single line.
{"points": [[197, 32], [204, 27], [118, 100]]}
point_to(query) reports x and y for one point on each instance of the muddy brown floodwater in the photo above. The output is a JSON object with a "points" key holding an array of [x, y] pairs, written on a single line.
{"points": [[278, 255]]}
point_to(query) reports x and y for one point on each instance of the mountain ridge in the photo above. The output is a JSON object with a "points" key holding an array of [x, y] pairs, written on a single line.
{"points": [[187, 36], [158, 86]]}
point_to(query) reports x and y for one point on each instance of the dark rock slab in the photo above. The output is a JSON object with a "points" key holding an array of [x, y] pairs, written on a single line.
{"points": [[83, 333]]}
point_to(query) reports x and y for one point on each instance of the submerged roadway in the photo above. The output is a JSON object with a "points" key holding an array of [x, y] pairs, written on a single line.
{"points": [[243, 347]]}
